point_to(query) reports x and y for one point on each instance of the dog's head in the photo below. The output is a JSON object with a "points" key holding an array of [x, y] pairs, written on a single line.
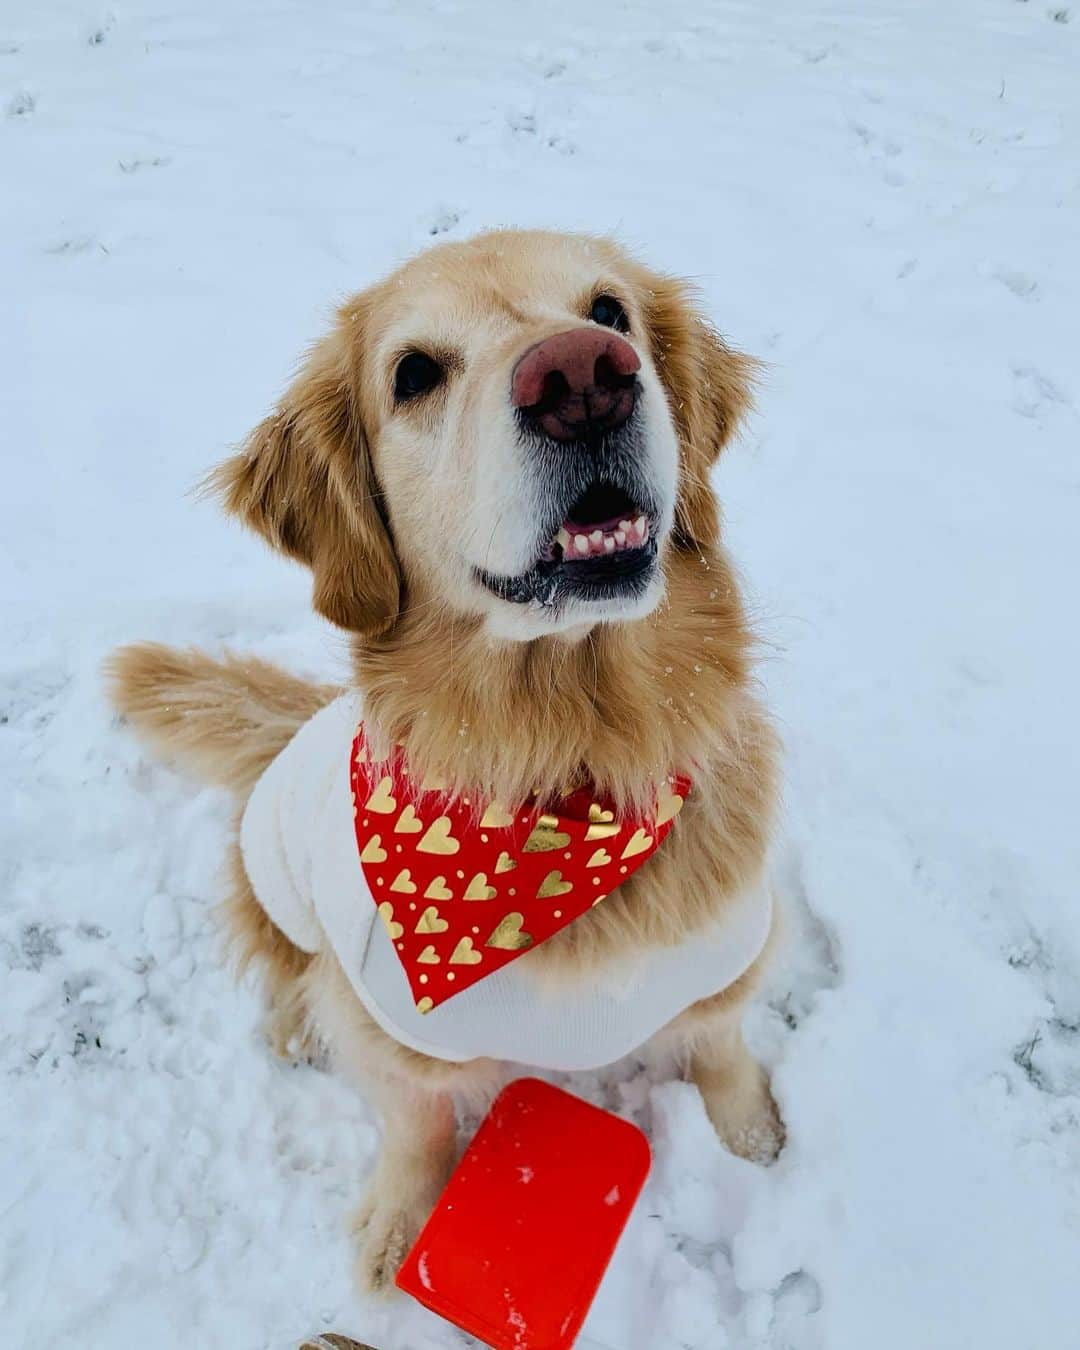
{"points": [[517, 427]]}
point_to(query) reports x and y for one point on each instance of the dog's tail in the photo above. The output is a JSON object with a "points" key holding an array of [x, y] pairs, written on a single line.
{"points": [[225, 720]]}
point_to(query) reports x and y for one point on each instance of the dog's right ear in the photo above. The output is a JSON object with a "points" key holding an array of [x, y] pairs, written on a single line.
{"points": [[305, 481]]}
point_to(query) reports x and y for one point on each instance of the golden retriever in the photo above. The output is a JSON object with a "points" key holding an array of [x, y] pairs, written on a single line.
{"points": [[496, 466]]}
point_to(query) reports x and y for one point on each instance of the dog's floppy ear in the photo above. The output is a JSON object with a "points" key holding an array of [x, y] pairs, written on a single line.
{"points": [[710, 390], [304, 481]]}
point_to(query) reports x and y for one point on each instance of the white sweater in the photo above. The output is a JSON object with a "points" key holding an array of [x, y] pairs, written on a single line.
{"points": [[300, 852]]}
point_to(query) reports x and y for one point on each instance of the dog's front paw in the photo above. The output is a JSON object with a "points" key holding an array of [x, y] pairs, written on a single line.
{"points": [[386, 1227], [747, 1120]]}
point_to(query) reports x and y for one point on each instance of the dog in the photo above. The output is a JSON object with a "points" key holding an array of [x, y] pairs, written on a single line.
{"points": [[497, 468]]}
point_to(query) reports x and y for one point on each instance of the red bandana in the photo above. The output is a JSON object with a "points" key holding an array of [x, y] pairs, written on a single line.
{"points": [[462, 896]]}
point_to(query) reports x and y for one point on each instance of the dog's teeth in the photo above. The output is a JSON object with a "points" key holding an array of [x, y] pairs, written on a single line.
{"points": [[630, 534]]}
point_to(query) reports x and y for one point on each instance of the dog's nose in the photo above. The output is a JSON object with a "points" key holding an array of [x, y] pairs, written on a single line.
{"points": [[577, 382]]}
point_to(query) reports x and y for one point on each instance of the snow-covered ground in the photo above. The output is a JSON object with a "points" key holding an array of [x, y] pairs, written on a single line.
{"points": [[880, 197]]}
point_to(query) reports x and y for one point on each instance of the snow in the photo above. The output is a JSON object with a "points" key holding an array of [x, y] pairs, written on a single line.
{"points": [[881, 199]]}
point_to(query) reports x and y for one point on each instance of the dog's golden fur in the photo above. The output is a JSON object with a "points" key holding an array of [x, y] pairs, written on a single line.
{"points": [[630, 701], [224, 718]]}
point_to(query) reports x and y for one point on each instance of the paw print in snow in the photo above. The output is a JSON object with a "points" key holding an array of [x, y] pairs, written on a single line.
{"points": [[521, 123], [443, 222], [135, 164], [1034, 394], [98, 34], [1023, 286], [21, 105]]}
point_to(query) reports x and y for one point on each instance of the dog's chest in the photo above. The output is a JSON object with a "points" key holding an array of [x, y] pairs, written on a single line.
{"points": [[299, 838]]}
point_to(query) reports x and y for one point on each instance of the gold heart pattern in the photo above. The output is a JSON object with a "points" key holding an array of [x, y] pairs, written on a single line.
{"points": [[408, 822], [638, 842], [602, 824], [372, 852], [496, 817], [465, 954], [386, 913], [478, 888], [382, 800], [429, 922], [509, 935], [553, 884], [530, 871], [438, 838], [668, 805], [546, 836]]}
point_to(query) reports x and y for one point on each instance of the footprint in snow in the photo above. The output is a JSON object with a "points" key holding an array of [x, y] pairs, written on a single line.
{"points": [[97, 35], [526, 125], [443, 222], [1035, 394], [1021, 285], [21, 105], [37, 944], [135, 164], [79, 243], [799, 1293], [521, 124], [811, 959], [815, 57], [881, 149]]}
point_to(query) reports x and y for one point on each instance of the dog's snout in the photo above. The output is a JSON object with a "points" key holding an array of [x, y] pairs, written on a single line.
{"points": [[577, 382]]}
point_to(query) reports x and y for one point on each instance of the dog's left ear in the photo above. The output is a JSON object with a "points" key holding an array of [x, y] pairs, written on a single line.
{"points": [[710, 389]]}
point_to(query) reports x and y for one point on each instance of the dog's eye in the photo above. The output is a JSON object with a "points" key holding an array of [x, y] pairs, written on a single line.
{"points": [[606, 310], [416, 374]]}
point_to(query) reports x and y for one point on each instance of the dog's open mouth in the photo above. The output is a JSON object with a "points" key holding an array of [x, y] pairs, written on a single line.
{"points": [[605, 549], [604, 520]]}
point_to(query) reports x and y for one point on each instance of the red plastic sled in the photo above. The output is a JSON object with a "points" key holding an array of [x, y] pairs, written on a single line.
{"points": [[520, 1239]]}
